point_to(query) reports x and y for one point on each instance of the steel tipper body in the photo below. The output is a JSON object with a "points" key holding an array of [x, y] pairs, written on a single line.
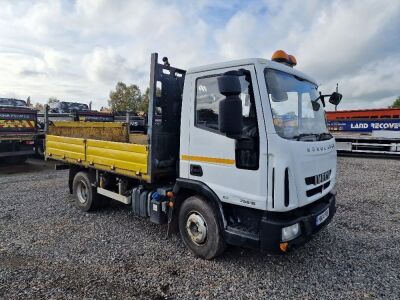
{"points": [[66, 111], [234, 153], [18, 130]]}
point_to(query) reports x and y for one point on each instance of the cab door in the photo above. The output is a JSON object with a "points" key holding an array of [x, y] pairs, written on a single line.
{"points": [[236, 173]]}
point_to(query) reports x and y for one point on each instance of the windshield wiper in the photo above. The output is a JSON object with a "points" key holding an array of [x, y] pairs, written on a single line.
{"points": [[302, 135], [325, 136], [318, 136]]}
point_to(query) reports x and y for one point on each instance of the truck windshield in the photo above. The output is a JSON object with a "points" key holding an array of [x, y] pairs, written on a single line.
{"points": [[297, 111]]}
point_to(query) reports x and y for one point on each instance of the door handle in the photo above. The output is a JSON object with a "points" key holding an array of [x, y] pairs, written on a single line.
{"points": [[196, 170]]}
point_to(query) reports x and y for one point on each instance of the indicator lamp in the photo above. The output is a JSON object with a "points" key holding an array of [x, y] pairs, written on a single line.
{"points": [[280, 56], [292, 60]]}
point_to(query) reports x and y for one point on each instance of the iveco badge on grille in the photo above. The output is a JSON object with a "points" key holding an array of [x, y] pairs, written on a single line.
{"points": [[322, 177]]}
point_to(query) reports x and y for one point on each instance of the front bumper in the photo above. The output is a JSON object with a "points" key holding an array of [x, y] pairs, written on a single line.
{"points": [[272, 224], [269, 232]]}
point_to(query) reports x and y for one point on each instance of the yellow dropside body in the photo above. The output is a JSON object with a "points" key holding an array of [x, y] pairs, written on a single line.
{"points": [[120, 158]]}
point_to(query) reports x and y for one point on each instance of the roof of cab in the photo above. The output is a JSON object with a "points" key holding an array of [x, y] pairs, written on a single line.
{"points": [[251, 61], [227, 64]]}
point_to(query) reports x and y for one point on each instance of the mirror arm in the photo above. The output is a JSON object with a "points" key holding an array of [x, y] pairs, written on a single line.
{"points": [[322, 97]]}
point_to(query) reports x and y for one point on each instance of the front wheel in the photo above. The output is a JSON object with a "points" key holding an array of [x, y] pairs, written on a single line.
{"points": [[199, 228]]}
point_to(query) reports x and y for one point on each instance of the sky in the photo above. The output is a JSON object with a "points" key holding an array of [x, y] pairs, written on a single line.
{"points": [[78, 50]]}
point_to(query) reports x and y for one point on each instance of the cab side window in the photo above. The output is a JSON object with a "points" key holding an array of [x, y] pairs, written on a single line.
{"points": [[208, 98], [207, 103], [207, 114]]}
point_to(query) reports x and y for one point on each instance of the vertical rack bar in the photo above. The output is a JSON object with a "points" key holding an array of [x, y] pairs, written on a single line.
{"points": [[151, 111], [128, 125]]}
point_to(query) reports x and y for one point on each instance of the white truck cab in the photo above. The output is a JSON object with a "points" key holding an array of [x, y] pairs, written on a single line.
{"points": [[275, 180]]}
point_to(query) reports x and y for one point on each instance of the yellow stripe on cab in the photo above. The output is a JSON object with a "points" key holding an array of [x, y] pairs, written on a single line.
{"points": [[207, 159]]}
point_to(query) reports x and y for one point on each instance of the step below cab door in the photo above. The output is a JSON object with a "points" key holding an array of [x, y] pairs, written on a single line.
{"points": [[235, 170]]}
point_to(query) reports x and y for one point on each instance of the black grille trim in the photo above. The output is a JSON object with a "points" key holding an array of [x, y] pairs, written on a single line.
{"points": [[273, 187], [318, 189], [286, 187], [311, 180]]}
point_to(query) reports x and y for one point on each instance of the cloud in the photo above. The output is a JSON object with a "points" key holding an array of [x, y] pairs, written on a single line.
{"points": [[104, 65], [80, 49], [375, 85], [354, 43], [56, 61], [31, 73]]}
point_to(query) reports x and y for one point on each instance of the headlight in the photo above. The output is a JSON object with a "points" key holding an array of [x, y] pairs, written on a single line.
{"points": [[291, 232]]}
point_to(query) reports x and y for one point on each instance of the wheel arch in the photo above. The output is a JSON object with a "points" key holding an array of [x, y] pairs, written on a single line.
{"points": [[73, 170], [183, 189]]}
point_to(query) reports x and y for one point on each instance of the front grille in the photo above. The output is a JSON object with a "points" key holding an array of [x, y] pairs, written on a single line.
{"points": [[318, 189], [317, 179]]}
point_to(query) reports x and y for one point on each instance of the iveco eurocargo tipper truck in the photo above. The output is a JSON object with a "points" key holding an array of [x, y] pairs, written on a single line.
{"points": [[234, 153]]}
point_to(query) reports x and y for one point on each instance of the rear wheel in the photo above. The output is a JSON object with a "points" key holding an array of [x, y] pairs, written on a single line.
{"points": [[40, 149], [199, 228], [86, 197]]}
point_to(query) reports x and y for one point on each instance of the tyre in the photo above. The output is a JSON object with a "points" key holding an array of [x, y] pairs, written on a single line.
{"points": [[86, 197], [199, 228], [39, 149]]}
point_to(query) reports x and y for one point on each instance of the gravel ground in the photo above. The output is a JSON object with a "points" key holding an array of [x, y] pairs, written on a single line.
{"points": [[48, 249]]}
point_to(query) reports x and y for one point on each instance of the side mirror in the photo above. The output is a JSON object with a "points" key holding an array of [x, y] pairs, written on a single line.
{"points": [[230, 109], [315, 105], [335, 98]]}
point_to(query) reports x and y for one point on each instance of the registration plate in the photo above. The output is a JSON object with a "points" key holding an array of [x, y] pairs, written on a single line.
{"points": [[322, 217]]}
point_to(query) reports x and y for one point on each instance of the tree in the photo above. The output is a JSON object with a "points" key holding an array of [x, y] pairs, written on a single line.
{"points": [[52, 100], [39, 106], [125, 98], [144, 105], [105, 109], [396, 103]]}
